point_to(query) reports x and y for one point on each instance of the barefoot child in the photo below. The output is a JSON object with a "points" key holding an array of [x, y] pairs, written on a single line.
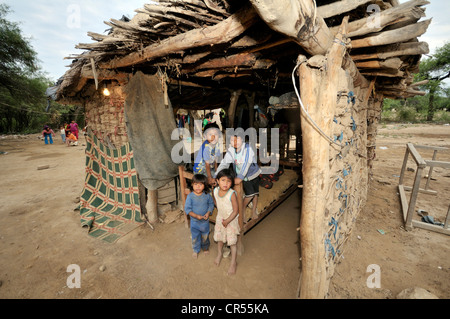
{"points": [[226, 229], [199, 205], [243, 160]]}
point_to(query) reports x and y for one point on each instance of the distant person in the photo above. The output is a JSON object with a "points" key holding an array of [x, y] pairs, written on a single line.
{"points": [[62, 131], [204, 122], [71, 139], [74, 129], [47, 133], [226, 229], [206, 160], [199, 206], [67, 128]]}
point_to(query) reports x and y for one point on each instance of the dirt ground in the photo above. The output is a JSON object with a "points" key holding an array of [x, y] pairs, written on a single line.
{"points": [[41, 236]]}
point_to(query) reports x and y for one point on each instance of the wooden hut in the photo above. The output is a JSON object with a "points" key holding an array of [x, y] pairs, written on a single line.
{"points": [[340, 58]]}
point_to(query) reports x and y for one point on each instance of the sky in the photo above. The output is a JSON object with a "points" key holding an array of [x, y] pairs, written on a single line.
{"points": [[56, 27]]}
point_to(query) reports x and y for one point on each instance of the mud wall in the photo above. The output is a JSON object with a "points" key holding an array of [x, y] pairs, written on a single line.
{"points": [[105, 116], [348, 164], [354, 126]]}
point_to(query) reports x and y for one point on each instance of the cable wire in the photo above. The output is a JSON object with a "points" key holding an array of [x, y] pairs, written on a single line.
{"points": [[306, 112]]}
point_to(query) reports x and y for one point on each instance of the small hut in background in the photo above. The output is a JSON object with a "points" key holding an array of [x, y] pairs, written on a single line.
{"points": [[337, 59]]}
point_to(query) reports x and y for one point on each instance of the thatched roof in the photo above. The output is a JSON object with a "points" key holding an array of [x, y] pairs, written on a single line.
{"points": [[209, 47]]}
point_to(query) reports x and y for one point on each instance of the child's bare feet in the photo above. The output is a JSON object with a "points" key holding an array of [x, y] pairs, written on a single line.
{"points": [[206, 252], [218, 259], [194, 255], [255, 214], [232, 269]]}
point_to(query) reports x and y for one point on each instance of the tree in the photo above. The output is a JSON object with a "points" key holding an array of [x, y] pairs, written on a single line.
{"points": [[17, 57], [435, 69], [22, 83]]}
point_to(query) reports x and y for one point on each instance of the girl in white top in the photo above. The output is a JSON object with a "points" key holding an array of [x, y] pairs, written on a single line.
{"points": [[226, 228]]}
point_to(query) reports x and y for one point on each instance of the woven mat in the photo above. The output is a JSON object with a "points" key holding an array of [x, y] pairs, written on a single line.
{"points": [[109, 203]]}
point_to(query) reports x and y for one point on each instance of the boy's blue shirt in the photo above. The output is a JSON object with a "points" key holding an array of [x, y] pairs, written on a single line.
{"points": [[199, 205], [206, 155]]}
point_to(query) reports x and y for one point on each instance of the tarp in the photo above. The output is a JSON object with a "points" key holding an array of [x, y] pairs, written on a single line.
{"points": [[149, 125], [109, 203]]}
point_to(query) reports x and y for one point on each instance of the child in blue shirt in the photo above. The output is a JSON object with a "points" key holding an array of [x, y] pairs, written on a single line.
{"points": [[206, 160], [199, 206]]}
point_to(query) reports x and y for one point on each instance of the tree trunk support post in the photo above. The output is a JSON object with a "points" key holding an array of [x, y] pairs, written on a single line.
{"points": [[318, 90]]}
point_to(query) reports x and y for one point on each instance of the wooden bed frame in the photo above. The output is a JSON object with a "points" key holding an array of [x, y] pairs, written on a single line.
{"points": [[245, 227]]}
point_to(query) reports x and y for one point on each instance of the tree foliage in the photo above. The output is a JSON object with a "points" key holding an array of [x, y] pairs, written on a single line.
{"points": [[23, 103], [435, 69]]}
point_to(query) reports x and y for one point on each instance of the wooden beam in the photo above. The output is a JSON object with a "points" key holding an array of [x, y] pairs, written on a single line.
{"points": [[339, 7], [88, 73], [298, 20], [389, 51], [408, 11], [222, 32], [393, 36], [240, 59], [394, 63]]}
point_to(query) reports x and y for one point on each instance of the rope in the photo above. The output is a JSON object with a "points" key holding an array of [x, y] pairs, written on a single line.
{"points": [[306, 112]]}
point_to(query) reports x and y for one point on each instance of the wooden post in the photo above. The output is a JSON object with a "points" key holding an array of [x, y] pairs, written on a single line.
{"points": [[183, 193], [447, 219], [251, 110], [152, 205], [318, 93], [431, 170], [239, 193]]}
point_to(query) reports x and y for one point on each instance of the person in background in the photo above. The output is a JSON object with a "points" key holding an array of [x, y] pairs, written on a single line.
{"points": [[74, 129], [62, 131], [67, 128], [71, 139], [47, 133]]}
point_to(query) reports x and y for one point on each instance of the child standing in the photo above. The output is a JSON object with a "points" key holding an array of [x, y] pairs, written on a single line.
{"points": [[226, 228], [199, 206], [62, 131], [205, 162], [241, 156]]}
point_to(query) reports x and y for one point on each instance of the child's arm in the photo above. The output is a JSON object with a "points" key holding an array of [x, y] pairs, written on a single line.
{"points": [[225, 163], [211, 179], [248, 160], [235, 212], [196, 216], [188, 206], [210, 208]]}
